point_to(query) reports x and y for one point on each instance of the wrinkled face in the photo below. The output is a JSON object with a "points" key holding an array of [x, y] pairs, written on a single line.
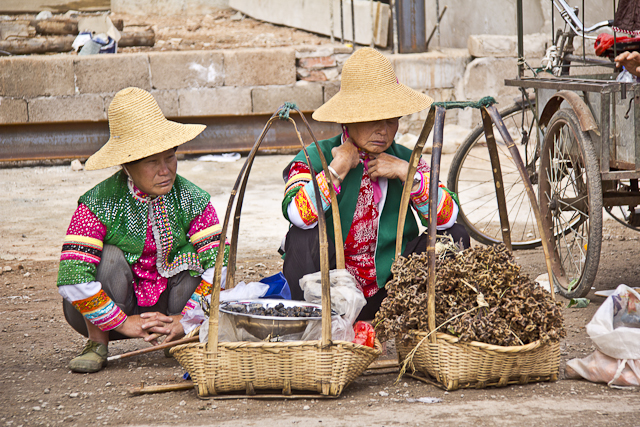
{"points": [[155, 174], [374, 137]]}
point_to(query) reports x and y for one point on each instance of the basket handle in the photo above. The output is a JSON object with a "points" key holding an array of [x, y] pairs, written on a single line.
{"points": [[435, 117], [324, 257], [517, 159]]}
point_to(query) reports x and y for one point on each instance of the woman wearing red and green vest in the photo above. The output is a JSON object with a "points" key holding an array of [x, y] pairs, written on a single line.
{"points": [[142, 244], [369, 170]]}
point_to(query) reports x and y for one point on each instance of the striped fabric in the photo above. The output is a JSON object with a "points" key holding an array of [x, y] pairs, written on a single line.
{"points": [[299, 189], [204, 288], [207, 239], [420, 200], [81, 248], [101, 311]]}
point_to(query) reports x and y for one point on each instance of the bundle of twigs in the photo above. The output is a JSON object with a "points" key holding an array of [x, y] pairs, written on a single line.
{"points": [[519, 311]]}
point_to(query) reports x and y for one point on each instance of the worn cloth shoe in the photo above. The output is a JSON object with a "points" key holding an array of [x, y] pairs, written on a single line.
{"points": [[92, 359]]}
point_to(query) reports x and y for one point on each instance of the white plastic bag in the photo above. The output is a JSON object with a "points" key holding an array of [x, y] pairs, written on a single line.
{"points": [[346, 299], [600, 368], [615, 328], [615, 331]]}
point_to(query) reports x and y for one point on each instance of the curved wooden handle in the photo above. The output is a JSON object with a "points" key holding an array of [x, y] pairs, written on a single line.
{"points": [[241, 183]]}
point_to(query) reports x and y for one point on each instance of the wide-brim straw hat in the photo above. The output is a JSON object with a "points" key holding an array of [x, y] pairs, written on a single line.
{"points": [[138, 129], [370, 91]]}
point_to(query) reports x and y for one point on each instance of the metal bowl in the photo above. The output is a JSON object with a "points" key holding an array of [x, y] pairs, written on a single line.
{"points": [[272, 327]]}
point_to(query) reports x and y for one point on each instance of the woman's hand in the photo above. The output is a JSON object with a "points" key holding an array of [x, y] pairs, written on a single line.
{"points": [[152, 325], [384, 165], [630, 61], [345, 158]]}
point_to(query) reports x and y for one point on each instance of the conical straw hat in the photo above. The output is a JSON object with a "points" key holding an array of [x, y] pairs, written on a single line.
{"points": [[138, 129], [370, 91]]}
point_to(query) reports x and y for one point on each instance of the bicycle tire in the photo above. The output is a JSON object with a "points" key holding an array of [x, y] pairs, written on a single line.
{"points": [[570, 188], [474, 183]]}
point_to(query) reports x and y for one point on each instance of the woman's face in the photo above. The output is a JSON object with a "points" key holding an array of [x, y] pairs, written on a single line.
{"points": [[155, 174], [374, 137]]}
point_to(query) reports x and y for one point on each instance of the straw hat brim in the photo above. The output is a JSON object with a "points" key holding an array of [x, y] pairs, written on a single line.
{"points": [[126, 149], [384, 103]]}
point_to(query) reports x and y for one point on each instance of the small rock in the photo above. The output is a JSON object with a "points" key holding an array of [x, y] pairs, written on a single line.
{"points": [[425, 400], [182, 403], [238, 16], [107, 385], [36, 408], [7, 268], [73, 395], [45, 14], [47, 391], [383, 393], [26, 335], [260, 265], [27, 274], [306, 408], [76, 165]]}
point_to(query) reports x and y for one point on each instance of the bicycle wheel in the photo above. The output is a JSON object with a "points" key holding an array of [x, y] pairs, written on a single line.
{"points": [[471, 178], [571, 204]]}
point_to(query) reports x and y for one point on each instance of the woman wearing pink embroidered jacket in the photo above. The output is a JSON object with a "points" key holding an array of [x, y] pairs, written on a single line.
{"points": [[142, 244]]}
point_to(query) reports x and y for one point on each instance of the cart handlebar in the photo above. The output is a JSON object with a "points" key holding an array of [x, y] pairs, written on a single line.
{"points": [[570, 17]]}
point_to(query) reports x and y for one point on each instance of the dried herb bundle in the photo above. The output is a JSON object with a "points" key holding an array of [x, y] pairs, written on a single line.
{"points": [[519, 311]]}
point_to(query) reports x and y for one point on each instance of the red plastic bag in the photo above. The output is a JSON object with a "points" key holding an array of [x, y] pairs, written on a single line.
{"points": [[365, 335]]}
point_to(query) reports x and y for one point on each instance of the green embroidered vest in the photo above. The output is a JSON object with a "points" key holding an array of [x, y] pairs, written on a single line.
{"points": [[350, 188], [126, 217]]}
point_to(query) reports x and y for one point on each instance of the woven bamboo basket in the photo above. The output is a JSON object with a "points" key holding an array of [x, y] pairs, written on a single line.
{"points": [[477, 365], [324, 366], [451, 363]]}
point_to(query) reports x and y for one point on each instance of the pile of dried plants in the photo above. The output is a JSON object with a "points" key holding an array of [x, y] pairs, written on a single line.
{"points": [[517, 311]]}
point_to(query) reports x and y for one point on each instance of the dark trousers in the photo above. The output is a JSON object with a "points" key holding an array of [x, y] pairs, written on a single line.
{"points": [[302, 249], [116, 277]]}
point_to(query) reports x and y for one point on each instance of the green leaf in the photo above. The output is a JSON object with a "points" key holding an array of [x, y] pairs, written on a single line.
{"points": [[579, 302], [571, 284]]}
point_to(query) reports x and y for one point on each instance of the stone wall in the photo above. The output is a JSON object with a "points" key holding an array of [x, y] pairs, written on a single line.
{"points": [[70, 88], [465, 18]]}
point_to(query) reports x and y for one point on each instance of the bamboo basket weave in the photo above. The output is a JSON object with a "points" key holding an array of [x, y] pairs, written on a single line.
{"points": [[323, 366], [452, 363], [478, 365]]}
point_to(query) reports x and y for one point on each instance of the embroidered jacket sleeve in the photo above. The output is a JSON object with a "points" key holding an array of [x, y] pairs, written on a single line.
{"points": [[204, 232], [81, 254], [447, 211], [299, 203]]}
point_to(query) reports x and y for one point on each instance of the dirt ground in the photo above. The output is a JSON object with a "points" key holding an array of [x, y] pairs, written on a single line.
{"points": [[36, 343], [223, 29]]}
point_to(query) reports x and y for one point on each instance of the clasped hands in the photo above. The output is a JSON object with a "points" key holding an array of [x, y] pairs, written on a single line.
{"points": [[382, 165], [151, 326]]}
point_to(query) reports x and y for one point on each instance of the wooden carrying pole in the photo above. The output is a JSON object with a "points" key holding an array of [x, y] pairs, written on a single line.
{"points": [[154, 348], [517, 159], [435, 116], [241, 181], [434, 177], [497, 178]]}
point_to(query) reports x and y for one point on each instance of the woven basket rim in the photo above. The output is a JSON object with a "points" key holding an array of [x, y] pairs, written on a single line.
{"points": [[491, 347], [283, 344]]}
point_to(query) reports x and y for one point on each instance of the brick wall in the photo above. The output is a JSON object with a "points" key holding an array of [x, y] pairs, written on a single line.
{"points": [[70, 88]]}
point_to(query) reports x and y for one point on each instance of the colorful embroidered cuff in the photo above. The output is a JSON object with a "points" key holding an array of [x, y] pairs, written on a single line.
{"points": [[101, 311], [420, 197], [206, 239], [203, 289]]}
